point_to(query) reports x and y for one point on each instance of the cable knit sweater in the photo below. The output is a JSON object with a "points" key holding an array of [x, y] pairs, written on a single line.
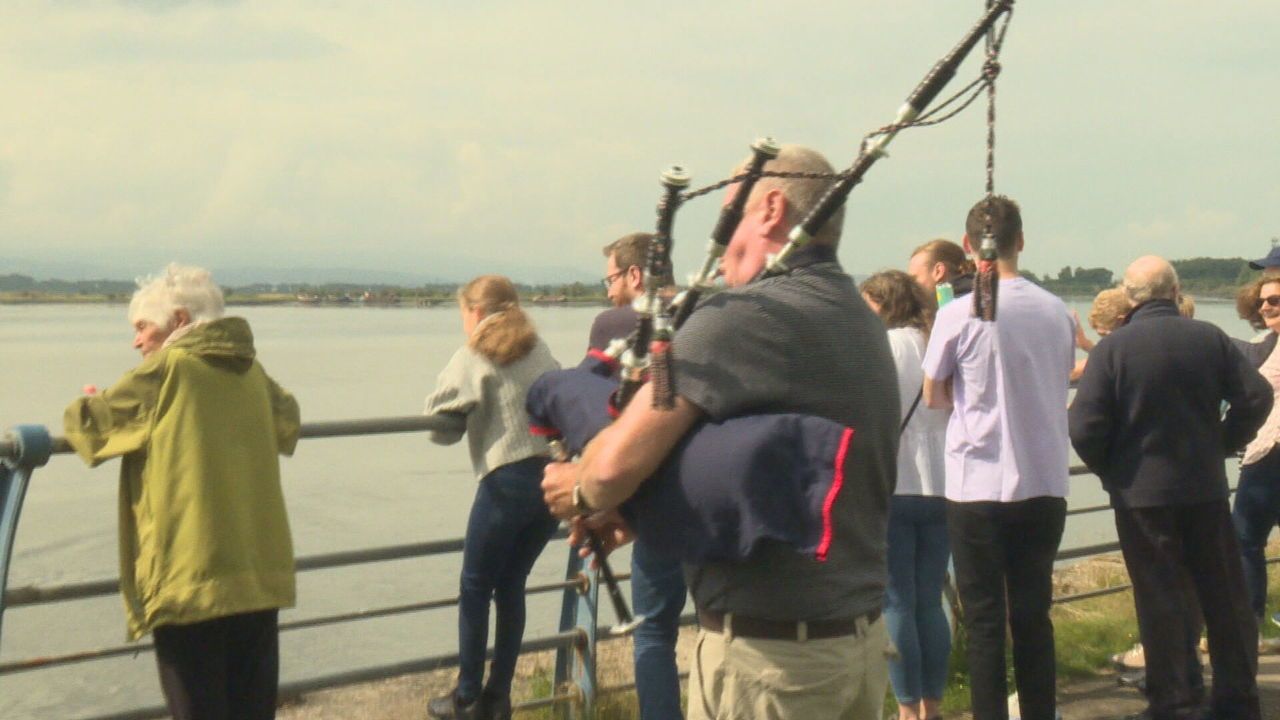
{"points": [[491, 397]]}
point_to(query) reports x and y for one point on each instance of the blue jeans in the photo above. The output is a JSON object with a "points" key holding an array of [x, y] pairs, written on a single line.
{"points": [[918, 552], [508, 527], [1256, 511], [658, 593]]}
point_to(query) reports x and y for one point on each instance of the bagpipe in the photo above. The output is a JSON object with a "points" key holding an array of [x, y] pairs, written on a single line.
{"points": [[728, 486]]}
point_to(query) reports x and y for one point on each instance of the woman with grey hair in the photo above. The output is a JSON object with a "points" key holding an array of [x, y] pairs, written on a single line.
{"points": [[206, 558]]}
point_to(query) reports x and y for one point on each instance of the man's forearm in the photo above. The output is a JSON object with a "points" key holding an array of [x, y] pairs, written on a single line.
{"points": [[627, 452]]}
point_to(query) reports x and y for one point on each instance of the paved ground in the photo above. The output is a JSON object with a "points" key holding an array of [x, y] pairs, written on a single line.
{"points": [[1099, 699], [1103, 699]]}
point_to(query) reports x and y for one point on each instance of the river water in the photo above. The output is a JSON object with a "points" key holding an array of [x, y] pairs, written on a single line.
{"points": [[342, 494]]}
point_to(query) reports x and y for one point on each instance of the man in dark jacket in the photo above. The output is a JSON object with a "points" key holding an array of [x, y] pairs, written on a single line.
{"points": [[1147, 419]]}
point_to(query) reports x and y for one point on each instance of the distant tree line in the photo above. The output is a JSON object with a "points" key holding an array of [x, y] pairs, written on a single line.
{"points": [[1202, 276], [26, 286]]}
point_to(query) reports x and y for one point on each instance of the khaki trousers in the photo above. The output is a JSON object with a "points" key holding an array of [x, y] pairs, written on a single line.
{"points": [[737, 678]]}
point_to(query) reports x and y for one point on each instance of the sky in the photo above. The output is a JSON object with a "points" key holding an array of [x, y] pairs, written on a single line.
{"points": [[442, 139]]}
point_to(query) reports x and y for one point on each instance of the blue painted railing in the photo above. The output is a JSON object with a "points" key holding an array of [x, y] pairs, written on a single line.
{"points": [[28, 447]]}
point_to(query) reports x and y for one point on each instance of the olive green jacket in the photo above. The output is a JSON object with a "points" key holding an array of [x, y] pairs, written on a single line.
{"points": [[203, 529]]}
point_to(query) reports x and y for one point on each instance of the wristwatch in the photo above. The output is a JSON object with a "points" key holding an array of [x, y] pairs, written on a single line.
{"points": [[580, 502]]}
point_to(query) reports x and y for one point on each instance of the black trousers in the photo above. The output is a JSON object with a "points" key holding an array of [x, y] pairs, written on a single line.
{"points": [[1159, 544], [221, 669], [1004, 569]]}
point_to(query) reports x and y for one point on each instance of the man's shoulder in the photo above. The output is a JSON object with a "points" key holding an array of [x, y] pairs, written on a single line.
{"points": [[615, 314], [610, 324], [1033, 293]]}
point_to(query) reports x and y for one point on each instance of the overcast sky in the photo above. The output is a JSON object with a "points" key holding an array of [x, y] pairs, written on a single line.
{"points": [[448, 138]]}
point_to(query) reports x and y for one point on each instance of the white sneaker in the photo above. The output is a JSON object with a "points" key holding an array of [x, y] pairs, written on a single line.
{"points": [[1132, 659], [1015, 710]]}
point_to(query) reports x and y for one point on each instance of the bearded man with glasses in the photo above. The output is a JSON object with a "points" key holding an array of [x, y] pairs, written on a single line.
{"points": [[657, 583]]}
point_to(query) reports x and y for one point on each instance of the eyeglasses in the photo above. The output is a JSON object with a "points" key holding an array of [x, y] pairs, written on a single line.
{"points": [[611, 278], [1272, 300]]}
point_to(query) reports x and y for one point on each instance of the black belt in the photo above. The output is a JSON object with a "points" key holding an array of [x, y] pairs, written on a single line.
{"points": [[749, 627]]}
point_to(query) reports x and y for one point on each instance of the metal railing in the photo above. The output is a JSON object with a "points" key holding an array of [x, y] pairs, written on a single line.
{"points": [[575, 691]]}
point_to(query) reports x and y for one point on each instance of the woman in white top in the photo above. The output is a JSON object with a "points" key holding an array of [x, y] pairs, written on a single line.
{"points": [[918, 548], [1257, 508], [486, 382]]}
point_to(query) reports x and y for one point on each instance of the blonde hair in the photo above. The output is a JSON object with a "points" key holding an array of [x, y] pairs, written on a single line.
{"points": [[1186, 306], [1108, 310], [505, 334], [178, 287]]}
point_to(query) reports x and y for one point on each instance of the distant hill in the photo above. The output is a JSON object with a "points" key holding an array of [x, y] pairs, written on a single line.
{"points": [[1202, 277]]}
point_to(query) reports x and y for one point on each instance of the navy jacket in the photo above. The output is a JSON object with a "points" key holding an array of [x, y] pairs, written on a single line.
{"points": [[726, 487], [1147, 416]]}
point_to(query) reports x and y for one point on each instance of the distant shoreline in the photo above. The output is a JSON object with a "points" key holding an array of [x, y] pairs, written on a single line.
{"points": [[406, 302], [290, 301]]}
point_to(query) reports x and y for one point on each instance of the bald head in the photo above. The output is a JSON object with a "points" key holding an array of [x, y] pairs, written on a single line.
{"points": [[1150, 278]]}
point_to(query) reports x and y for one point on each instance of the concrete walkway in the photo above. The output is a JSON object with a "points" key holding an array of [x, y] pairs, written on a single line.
{"points": [[1104, 699]]}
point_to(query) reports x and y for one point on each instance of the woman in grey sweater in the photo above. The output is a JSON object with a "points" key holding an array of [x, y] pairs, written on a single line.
{"points": [[486, 382]]}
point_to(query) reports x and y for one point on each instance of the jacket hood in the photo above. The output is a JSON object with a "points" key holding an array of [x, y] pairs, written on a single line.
{"points": [[227, 342]]}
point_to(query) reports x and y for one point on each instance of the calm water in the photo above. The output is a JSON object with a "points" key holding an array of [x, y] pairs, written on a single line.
{"points": [[342, 494]]}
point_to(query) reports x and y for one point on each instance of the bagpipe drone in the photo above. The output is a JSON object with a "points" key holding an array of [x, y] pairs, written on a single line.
{"points": [[784, 470]]}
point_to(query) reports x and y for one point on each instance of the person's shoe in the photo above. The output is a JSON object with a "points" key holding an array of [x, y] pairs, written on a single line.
{"points": [[449, 707], [493, 706], [1132, 659], [1135, 680]]}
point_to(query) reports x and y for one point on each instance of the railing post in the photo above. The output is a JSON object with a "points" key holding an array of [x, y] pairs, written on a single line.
{"points": [[33, 448], [576, 665]]}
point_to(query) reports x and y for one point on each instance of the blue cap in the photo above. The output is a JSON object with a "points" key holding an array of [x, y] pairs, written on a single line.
{"points": [[1271, 260]]}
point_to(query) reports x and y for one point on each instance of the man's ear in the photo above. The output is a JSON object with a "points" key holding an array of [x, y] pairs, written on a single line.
{"points": [[774, 208], [968, 247], [939, 272], [635, 278], [181, 317], [1021, 243]]}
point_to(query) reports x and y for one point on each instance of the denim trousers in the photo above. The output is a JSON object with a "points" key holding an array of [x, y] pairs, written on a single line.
{"points": [[1256, 512], [657, 592], [918, 554], [508, 527], [1004, 554]]}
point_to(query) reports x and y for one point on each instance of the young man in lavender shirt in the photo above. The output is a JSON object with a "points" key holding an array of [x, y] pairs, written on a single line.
{"points": [[1006, 466]]}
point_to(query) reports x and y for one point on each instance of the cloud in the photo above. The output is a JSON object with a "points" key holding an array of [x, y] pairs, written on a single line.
{"points": [[397, 132]]}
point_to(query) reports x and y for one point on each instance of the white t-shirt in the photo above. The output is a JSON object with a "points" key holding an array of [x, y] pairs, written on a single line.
{"points": [[1007, 437], [921, 445]]}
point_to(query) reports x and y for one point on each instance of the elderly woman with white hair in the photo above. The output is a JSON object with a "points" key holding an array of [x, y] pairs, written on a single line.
{"points": [[206, 558]]}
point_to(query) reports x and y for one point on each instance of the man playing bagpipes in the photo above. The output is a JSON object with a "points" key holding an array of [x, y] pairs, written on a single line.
{"points": [[784, 632]]}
